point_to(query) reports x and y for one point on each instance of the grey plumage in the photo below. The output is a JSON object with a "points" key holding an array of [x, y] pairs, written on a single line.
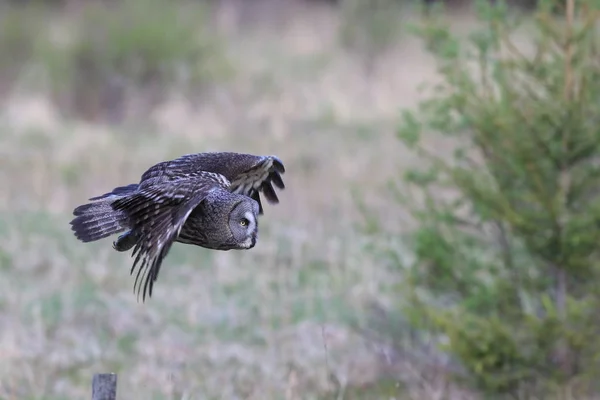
{"points": [[210, 200]]}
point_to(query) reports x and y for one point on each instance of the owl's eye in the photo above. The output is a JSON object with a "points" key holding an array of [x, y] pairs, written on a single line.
{"points": [[244, 222]]}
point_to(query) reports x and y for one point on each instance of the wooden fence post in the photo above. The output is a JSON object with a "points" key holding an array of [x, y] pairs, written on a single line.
{"points": [[104, 387]]}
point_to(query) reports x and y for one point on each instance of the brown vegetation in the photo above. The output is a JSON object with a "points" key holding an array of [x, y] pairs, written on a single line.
{"points": [[279, 321]]}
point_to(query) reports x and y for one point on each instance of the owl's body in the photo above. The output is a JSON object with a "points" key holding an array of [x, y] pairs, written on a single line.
{"points": [[206, 226], [210, 200]]}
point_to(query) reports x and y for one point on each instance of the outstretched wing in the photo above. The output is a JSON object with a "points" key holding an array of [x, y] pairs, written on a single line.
{"points": [[249, 174], [121, 190], [157, 212], [260, 177]]}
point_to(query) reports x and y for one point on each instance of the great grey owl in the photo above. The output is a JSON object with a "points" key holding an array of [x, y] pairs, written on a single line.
{"points": [[207, 199]]}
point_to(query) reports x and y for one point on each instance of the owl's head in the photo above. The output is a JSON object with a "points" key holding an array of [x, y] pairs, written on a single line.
{"points": [[243, 222], [225, 221]]}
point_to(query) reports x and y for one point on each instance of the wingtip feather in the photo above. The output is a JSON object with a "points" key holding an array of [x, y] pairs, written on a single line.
{"points": [[276, 178], [278, 164], [269, 192]]}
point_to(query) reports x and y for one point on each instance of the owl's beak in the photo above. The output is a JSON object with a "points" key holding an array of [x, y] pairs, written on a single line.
{"points": [[249, 243]]}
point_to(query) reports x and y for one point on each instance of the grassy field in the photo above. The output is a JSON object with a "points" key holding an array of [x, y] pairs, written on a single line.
{"points": [[270, 323]]}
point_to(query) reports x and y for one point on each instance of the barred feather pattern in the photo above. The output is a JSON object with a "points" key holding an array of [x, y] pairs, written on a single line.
{"points": [[260, 178], [97, 220], [155, 211], [249, 174], [156, 214], [118, 191]]}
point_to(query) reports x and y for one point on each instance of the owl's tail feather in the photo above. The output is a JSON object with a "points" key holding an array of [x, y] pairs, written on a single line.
{"points": [[97, 220]]}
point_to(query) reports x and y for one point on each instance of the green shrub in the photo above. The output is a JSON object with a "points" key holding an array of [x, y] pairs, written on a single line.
{"points": [[507, 262]]}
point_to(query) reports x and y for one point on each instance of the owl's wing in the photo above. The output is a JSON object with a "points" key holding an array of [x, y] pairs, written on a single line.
{"points": [[121, 190], [157, 212], [259, 175], [249, 174]]}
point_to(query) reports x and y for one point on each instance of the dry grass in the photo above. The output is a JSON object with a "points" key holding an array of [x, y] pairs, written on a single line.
{"points": [[269, 323]]}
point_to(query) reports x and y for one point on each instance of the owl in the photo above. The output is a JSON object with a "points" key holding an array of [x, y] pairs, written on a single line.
{"points": [[211, 200]]}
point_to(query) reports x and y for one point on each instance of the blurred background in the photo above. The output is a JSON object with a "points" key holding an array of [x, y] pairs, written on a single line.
{"points": [[92, 93]]}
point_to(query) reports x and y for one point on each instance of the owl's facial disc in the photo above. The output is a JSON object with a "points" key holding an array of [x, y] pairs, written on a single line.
{"points": [[250, 220], [243, 225]]}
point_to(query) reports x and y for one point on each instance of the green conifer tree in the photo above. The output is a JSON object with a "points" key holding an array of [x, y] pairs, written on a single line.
{"points": [[507, 261]]}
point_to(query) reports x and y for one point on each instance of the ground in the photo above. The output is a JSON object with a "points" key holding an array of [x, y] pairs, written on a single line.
{"points": [[270, 323]]}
